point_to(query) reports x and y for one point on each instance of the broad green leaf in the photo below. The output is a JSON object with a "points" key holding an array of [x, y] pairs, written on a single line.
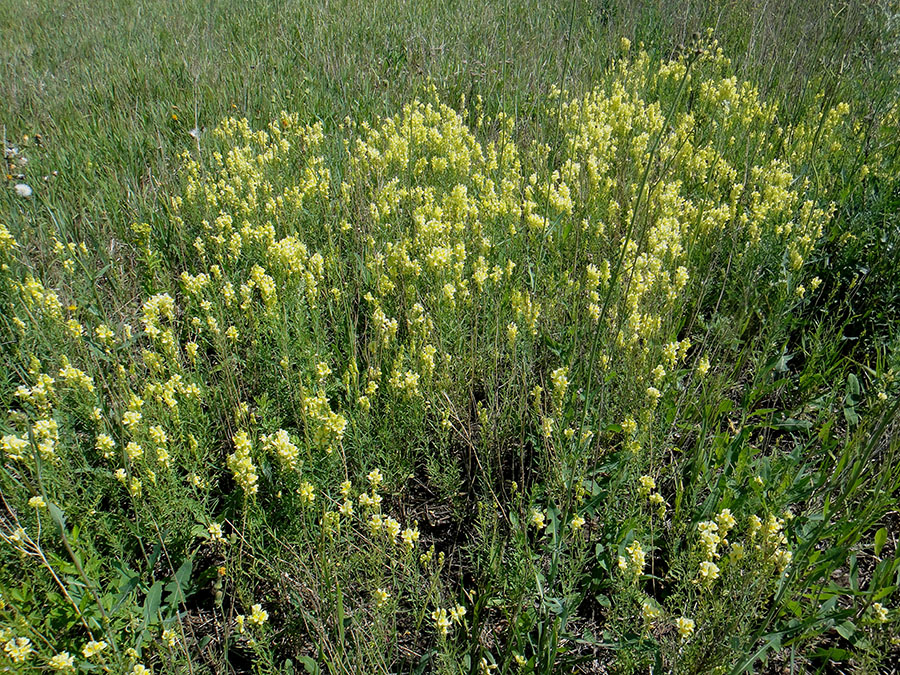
{"points": [[309, 664], [853, 387], [151, 603], [183, 575], [846, 629]]}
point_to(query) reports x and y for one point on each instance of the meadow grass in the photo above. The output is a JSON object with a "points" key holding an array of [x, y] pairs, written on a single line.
{"points": [[441, 337]]}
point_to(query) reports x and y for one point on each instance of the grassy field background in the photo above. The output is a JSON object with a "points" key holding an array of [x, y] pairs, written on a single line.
{"points": [[116, 88], [101, 81], [520, 452]]}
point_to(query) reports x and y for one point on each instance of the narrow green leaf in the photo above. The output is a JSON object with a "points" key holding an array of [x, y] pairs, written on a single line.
{"points": [[58, 516], [340, 614]]}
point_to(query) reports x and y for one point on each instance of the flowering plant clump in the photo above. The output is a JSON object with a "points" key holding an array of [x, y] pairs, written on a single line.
{"points": [[456, 394]]}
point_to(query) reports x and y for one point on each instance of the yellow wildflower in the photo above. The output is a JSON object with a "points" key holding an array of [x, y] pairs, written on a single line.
{"points": [[685, 627], [18, 649], [258, 616], [441, 621], [64, 661]]}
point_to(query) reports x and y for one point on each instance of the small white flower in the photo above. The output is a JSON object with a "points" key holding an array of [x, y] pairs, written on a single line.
{"points": [[23, 190]]}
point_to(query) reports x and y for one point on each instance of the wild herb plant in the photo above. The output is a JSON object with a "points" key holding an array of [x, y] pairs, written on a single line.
{"points": [[425, 392]]}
